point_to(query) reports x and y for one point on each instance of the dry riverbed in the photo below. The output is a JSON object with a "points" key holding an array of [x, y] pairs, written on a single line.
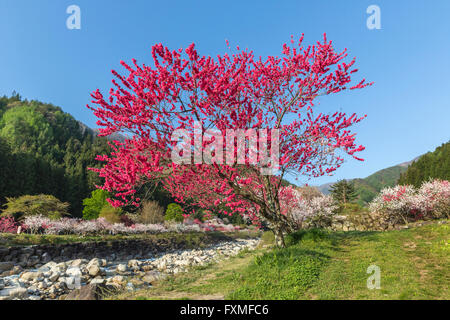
{"points": [[64, 279]]}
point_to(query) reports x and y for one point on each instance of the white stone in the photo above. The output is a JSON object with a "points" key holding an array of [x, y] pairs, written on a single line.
{"points": [[32, 289], [121, 268], [74, 271], [29, 276], [93, 270], [134, 263], [98, 281], [16, 292], [130, 286], [54, 276], [118, 279], [77, 262], [48, 266]]}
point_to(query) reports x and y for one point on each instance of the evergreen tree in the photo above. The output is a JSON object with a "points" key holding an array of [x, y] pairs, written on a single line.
{"points": [[44, 150], [433, 165], [343, 191]]}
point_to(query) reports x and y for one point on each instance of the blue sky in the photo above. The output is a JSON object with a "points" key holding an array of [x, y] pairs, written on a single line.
{"points": [[408, 108]]}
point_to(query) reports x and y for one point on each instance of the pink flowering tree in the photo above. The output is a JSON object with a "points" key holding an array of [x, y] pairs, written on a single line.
{"points": [[274, 97]]}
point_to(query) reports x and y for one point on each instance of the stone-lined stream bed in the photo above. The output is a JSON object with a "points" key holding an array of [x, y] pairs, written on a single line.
{"points": [[54, 280]]}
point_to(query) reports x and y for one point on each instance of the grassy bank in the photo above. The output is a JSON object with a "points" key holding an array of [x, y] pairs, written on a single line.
{"points": [[414, 264], [193, 238]]}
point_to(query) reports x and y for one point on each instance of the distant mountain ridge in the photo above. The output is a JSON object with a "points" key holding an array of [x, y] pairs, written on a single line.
{"points": [[368, 187], [95, 132], [407, 163]]}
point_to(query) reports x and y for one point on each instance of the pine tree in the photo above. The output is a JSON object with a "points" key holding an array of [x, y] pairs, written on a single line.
{"points": [[343, 191], [433, 165]]}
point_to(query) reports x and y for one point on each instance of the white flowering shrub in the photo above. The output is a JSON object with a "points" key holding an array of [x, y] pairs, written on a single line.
{"points": [[62, 226], [217, 224], [434, 198], [92, 227], [36, 223], [148, 228], [399, 204], [316, 212], [40, 224], [183, 228]]}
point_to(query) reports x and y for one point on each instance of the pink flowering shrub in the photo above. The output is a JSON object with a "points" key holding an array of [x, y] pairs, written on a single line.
{"points": [[8, 225], [402, 204], [98, 226], [195, 225]]}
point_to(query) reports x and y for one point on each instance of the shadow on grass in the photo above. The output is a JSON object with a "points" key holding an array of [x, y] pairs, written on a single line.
{"points": [[337, 236]]}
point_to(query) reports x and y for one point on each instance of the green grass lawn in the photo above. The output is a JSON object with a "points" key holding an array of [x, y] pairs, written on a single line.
{"points": [[414, 263]]}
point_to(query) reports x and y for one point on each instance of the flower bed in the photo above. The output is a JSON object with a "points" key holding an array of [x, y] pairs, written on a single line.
{"points": [[41, 225]]}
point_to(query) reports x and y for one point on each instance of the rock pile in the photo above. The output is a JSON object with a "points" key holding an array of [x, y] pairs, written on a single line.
{"points": [[54, 280]]}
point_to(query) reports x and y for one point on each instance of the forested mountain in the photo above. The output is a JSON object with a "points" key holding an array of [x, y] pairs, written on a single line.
{"points": [[434, 164], [367, 188], [45, 150]]}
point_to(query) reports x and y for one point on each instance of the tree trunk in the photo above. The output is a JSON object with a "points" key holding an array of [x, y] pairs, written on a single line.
{"points": [[279, 224], [279, 238]]}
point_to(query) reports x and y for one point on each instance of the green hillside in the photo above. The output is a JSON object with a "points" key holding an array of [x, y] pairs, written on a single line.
{"points": [[434, 164], [368, 188], [45, 150]]}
